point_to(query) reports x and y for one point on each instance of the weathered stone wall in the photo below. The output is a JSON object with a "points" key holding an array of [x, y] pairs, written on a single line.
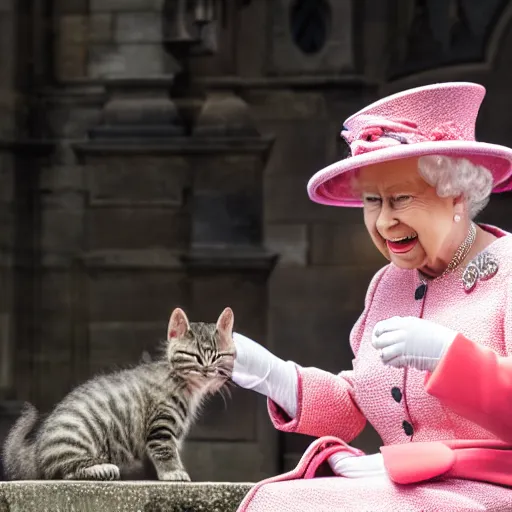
{"points": [[94, 247], [7, 196], [112, 38]]}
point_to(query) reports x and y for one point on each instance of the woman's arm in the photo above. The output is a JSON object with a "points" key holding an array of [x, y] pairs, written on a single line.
{"points": [[476, 383], [325, 406], [470, 379]]}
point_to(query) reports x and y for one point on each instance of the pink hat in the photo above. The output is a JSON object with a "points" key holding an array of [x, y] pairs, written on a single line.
{"points": [[437, 119]]}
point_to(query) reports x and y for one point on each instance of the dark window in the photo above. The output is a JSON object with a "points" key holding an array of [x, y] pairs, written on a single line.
{"points": [[310, 24]]}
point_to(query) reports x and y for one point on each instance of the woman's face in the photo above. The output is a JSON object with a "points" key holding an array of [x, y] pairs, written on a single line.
{"points": [[409, 223]]}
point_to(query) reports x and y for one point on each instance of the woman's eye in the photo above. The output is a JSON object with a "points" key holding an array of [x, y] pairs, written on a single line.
{"points": [[399, 199], [371, 199]]}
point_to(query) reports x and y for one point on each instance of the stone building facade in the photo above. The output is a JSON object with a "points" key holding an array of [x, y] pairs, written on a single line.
{"points": [[125, 192]]}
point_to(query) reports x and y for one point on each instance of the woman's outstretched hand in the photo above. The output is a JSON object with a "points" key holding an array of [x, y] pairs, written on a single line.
{"points": [[258, 369], [411, 341], [351, 466]]}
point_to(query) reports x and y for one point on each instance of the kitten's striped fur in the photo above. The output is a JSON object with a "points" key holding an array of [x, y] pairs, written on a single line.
{"points": [[116, 420]]}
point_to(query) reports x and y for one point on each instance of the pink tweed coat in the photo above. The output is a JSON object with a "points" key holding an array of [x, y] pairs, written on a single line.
{"points": [[447, 435]]}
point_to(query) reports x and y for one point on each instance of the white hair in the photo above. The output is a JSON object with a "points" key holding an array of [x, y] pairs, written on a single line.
{"points": [[453, 177]]}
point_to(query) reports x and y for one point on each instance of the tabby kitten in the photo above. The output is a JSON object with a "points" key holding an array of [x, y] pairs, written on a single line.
{"points": [[117, 420]]}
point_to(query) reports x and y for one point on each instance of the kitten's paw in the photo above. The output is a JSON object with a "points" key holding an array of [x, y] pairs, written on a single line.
{"points": [[178, 475], [102, 472]]}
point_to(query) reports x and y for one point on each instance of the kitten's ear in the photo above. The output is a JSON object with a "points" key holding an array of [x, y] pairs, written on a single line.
{"points": [[178, 325], [225, 327]]}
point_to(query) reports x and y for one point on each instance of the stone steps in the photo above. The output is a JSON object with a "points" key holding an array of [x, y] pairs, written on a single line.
{"points": [[132, 496]]}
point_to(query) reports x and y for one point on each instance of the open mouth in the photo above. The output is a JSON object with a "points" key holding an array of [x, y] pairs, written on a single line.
{"points": [[403, 244], [403, 240]]}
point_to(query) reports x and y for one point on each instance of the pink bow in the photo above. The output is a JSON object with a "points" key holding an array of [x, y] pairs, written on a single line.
{"points": [[380, 132]]}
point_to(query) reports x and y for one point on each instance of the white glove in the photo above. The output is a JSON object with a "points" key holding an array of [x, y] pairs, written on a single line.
{"points": [[258, 369], [411, 341], [352, 466]]}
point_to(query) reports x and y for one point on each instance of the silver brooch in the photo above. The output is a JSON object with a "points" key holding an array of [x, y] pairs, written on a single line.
{"points": [[483, 267]]}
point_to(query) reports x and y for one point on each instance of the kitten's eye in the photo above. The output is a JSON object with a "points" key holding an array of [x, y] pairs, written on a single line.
{"points": [[182, 356], [199, 359], [223, 356]]}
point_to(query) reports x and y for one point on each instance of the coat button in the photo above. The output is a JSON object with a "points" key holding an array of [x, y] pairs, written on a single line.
{"points": [[396, 394], [409, 431], [420, 291]]}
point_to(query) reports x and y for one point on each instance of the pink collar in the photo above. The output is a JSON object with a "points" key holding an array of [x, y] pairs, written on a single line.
{"points": [[497, 232]]}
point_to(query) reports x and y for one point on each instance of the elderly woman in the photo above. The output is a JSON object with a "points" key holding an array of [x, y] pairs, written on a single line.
{"points": [[432, 370]]}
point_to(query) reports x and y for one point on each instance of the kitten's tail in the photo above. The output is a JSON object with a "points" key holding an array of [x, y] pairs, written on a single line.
{"points": [[19, 455]]}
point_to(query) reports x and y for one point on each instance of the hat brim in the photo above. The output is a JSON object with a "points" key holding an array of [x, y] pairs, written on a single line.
{"points": [[332, 184]]}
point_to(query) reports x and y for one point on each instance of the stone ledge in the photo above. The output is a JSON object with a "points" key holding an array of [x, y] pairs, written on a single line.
{"points": [[344, 80], [230, 257], [64, 496], [174, 145]]}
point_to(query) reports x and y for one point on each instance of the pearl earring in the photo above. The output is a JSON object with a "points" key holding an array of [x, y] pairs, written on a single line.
{"points": [[456, 218]]}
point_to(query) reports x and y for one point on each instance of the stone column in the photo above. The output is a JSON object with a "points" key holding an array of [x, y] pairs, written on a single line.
{"points": [[227, 265], [22, 152], [7, 192], [135, 49], [7, 195], [173, 216], [179, 223]]}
